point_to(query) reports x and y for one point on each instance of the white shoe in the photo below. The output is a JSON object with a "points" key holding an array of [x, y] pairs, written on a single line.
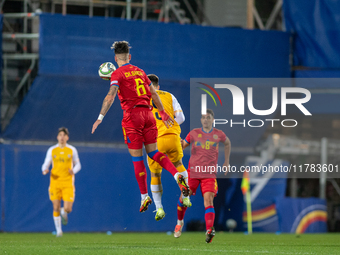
{"points": [[60, 234], [178, 230], [64, 218]]}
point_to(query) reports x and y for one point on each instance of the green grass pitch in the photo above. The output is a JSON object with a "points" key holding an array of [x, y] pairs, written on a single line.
{"points": [[161, 243]]}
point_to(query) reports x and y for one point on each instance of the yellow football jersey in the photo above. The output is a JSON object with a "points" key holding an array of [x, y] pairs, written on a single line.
{"points": [[62, 160], [171, 106]]}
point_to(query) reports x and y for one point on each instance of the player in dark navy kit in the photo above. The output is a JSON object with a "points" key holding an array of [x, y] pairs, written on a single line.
{"points": [[202, 169], [139, 125]]}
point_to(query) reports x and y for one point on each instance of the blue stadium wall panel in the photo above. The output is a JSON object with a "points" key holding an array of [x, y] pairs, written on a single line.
{"points": [[68, 91], [107, 194], [1, 22], [77, 45], [74, 102], [317, 31]]}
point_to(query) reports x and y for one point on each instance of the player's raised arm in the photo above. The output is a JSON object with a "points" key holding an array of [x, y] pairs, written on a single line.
{"points": [[108, 101], [168, 121]]}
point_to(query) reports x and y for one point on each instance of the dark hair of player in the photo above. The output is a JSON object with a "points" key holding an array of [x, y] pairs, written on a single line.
{"points": [[63, 129], [154, 79], [121, 47], [210, 112]]}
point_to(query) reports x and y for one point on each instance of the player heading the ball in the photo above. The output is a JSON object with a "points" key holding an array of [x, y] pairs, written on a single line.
{"points": [[139, 125]]}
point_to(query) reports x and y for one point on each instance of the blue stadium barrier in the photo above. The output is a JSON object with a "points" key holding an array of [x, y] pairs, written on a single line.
{"points": [[74, 102], [1, 17], [302, 215], [107, 194], [317, 32], [77, 45], [68, 91]]}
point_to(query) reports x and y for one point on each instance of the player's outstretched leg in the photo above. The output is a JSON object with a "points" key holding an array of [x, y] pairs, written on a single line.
{"points": [[181, 169], [141, 176], [178, 228], [64, 216], [181, 209], [57, 223], [209, 234], [146, 201], [160, 214], [165, 163], [157, 191], [209, 216]]}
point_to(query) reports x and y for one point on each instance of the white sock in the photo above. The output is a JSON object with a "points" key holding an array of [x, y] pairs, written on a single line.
{"points": [[185, 175], [63, 212], [176, 176], [57, 224], [157, 191], [180, 222], [144, 196]]}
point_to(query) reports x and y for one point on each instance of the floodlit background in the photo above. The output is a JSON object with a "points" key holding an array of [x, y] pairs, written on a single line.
{"points": [[51, 51]]}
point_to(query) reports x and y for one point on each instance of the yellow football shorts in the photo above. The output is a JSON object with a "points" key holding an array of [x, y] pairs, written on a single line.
{"points": [[64, 190], [171, 146]]}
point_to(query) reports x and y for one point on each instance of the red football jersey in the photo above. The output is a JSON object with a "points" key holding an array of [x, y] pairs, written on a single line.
{"points": [[204, 150], [133, 86]]}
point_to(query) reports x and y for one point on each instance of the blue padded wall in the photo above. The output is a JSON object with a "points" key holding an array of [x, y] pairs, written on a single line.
{"points": [[316, 25], [106, 192], [77, 45], [68, 91]]}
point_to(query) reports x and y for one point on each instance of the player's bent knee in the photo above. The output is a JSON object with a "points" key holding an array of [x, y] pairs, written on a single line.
{"points": [[178, 163], [68, 210]]}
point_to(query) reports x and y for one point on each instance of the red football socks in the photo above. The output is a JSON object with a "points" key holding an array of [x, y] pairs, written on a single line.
{"points": [[180, 210], [165, 162], [209, 217], [140, 173]]}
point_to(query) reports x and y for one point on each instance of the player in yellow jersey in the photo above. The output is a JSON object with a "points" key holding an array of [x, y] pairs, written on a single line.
{"points": [[65, 164], [169, 143]]}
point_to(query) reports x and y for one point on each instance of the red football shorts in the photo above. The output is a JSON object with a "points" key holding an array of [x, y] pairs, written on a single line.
{"points": [[207, 185], [139, 126]]}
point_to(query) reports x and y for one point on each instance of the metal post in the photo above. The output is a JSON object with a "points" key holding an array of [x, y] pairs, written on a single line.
{"points": [[64, 7], [293, 187], [145, 6], [250, 16], [128, 9], [91, 9], [53, 7], [25, 26], [24, 79], [193, 14], [273, 14], [166, 11], [258, 18], [5, 76], [323, 174]]}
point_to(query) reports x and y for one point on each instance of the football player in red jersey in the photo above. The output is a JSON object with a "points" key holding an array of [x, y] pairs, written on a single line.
{"points": [[204, 155], [139, 125]]}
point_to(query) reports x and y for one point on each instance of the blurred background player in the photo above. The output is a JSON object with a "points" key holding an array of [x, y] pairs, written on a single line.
{"points": [[204, 152], [65, 164], [139, 125], [169, 143]]}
